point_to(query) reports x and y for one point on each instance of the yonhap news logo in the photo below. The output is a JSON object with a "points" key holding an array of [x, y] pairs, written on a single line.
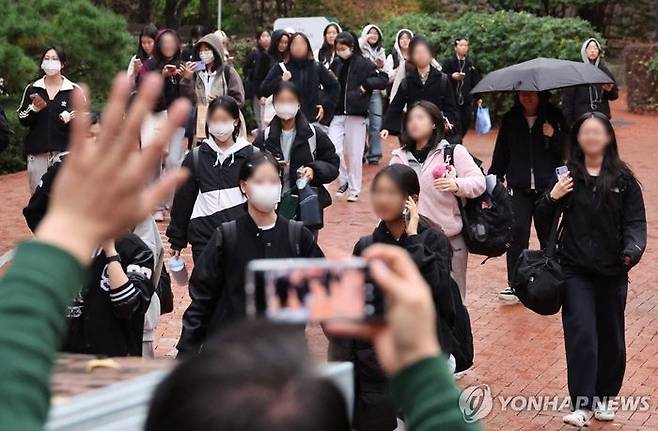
{"points": [[476, 402]]}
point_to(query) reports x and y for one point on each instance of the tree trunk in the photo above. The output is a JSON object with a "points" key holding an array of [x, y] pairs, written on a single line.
{"points": [[204, 13], [174, 11], [145, 11]]}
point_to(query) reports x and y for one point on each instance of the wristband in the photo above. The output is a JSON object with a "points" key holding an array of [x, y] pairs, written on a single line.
{"points": [[114, 258]]}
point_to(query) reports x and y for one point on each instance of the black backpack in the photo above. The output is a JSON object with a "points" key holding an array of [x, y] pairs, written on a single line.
{"points": [[488, 219], [229, 233]]}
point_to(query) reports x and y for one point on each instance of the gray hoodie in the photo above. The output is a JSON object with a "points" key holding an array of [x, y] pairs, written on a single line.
{"points": [[370, 52], [583, 51]]}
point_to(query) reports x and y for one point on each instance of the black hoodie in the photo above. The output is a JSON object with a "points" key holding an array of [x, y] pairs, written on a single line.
{"points": [[522, 152], [268, 59], [356, 73]]}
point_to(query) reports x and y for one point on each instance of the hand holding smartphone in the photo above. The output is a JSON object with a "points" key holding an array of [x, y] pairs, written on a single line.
{"points": [[560, 171]]}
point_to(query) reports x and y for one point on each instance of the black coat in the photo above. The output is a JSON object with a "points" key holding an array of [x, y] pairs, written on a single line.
{"points": [[452, 65], [268, 59], [360, 72], [596, 238], [436, 89], [217, 282], [308, 76], [171, 88], [581, 99], [251, 81], [520, 150], [325, 161], [46, 131], [111, 322]]}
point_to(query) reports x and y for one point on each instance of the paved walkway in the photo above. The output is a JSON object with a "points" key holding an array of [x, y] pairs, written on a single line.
{"points": [[516, 351]]}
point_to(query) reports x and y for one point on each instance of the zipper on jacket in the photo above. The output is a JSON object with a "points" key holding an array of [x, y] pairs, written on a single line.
{"points": [[532, 160]]}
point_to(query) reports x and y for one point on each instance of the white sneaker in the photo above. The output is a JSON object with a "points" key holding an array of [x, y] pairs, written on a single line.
{"points": [[341, 190], [578, 418], [508, 296], [353, 197], [604, 413]]}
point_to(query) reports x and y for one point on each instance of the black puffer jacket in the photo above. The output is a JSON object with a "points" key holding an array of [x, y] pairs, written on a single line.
{"points": [[521, 152], [597, 236], [581, 99], [324, 161], [437, 89], [308, 76], [268, 59], [357, 72]]}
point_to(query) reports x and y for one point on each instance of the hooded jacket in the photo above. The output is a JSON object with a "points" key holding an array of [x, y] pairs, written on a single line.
{"points": [[46, 130], [442, 207], [268, 59], [437, 89], [308, 76], [110, 322], [372, 53], [396, 58], [227, 81], [581, 99], [324, 161], [326, 53], [356, 72], [522, 153], [463, 87], [596, 238], [210, 196], [218, 279]]}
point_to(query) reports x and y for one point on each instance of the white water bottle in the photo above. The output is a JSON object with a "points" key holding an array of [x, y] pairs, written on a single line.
{"points": [[178, 270]]}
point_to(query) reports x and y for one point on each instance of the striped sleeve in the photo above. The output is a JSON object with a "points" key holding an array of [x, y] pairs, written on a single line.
{"points": [[25, 110]]}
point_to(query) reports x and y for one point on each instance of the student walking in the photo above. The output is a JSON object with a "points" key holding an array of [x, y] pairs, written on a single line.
{"points": [[604, 235], [589, 98], [211, 195], [358, 78], [327, 52], [46, 111], [422, 148], [371, 43], [217, 282], [423, 82], [252, 82], [396, 62], [528, 149], [309, 76], [145, 48], [303, 149], [463, 77]]}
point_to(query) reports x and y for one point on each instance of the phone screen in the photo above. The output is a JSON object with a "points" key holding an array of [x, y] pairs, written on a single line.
{"points": [[199, 66], [317, 290]]}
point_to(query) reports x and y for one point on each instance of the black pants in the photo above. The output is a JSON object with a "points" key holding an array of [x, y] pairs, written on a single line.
{"points": [[593, 322], [524, 204], [465, 117]]}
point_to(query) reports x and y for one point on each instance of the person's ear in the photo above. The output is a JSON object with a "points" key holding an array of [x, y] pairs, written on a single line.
{"points": [[243, 188]]}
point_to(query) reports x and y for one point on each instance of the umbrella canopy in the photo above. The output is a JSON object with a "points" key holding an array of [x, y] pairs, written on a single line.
{"points": [[541, 74]]}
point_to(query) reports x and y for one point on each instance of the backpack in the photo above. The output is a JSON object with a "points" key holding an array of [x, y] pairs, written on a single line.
{"points": [[487, 219], [229, 235], [164, 292], [460, 338], [312, 140]]}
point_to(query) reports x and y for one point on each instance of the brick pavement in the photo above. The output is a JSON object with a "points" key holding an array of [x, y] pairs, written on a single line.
{"points": [[516, 351]]}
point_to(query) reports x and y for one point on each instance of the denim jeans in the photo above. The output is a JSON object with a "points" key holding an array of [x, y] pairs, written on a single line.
{"points": [[375, 112]]}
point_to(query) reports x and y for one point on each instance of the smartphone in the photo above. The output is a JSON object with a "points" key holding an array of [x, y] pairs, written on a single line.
{"points": [[316, 290], [561, 171], [170, 67], [462, 73], [406, 215], [199, 66]]}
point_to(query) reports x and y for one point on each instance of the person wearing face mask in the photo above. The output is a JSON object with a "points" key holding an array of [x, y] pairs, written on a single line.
{"points": [[309, 76], [304, 149], [589, 98], [215, 79], [218, 279], [211, 194], [358, 78], [46, 111]]}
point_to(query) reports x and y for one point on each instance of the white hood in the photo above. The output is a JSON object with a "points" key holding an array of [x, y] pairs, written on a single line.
{"points": [[222, 155], [583, 49], [368, 51], [396, 45]]}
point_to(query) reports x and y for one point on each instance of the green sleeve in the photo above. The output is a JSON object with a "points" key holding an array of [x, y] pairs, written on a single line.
{"points": [[427, 394], [33, 298]]}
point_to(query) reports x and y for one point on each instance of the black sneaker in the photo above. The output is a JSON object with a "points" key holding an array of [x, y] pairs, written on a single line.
{"points": [[341, 190], [508, 295], [373, 162]]}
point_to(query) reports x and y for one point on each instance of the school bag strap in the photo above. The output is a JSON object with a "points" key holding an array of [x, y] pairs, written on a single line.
{"points": [[195, 158], [295, 236], [227, 236], [312, 140]]}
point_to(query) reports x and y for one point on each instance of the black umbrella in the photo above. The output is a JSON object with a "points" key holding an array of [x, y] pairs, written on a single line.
{"points": [[541, 74]]}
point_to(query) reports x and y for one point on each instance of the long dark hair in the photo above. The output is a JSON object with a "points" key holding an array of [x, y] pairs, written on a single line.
{"points": [[309, 48], [230, 106], [611, 169], [61, 55], [326, 49], [273, 50], [259, 33], [157, 50], [409, 144], [151, 31]]}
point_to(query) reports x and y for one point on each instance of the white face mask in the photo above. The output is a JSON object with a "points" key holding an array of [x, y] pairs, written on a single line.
{"points": [[286, 111], [221, 131], [344, 53], [206, 56], [264, 197], [51, 67]]}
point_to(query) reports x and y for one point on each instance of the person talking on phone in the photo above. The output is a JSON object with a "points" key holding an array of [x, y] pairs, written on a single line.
{"points": [[529, 147], [309, 76], [442, 181], [218, 279], [304, 150], [46, 111], [208, 77], [395, 191], [604, 235]]}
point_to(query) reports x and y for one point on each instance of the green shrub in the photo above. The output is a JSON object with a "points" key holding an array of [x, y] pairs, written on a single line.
{"points": [[498, 39], [641, 67], [95, 40]]}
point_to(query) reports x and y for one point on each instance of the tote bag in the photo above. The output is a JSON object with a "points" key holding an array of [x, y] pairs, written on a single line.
{"points": [[482, 121]]}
